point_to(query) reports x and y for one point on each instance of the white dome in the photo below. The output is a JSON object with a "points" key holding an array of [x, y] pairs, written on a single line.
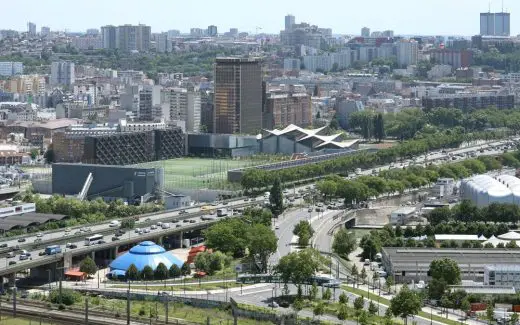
{"points": [[483, 190]]}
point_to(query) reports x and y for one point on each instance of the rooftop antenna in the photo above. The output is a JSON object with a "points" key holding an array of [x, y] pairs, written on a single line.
{"points": [[502, 5], [489, 8]]}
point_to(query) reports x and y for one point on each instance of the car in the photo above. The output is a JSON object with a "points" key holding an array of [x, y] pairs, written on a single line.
{"points": [[273, 304], [277, 227], [12, 262], [183, 212], [147, 219], [225, 203], [140, 232], [77, 233], [23, 257], [114, 223], [41, 253], [118, 234], [146, 230], [115, 238], [21, 240], [253, 199], [72, 246], [309, 210], [193, 221], [3, 245], [185, 220], [137, 230], [39, 235], [38, 240], [246, 199], [175, 221], [153, 227], [101, 242], [24, 295], [67, 230], [178, 226]]}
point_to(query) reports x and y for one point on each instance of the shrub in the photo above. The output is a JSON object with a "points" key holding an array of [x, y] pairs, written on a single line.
{"points": [[68, 297]]}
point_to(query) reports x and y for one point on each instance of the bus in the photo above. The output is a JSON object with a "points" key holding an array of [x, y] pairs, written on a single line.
{"points": [[93, 239]]}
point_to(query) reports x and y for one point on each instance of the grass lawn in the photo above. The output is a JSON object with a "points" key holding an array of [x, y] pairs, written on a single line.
{"points": [[198, 173], [192, 286], [21, 321]]}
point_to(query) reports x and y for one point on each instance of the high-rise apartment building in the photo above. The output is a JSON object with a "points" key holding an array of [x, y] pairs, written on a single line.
{"points": [[149, 103], [173, 33], [407, 53], [45, 31], [93, 32], [238, 95], [365, 32], [388, 33], [495, 24], [290, 20], [212, 30], [31, 29], [288, 106], [11, 68], [163, 43], [127, 38], [196, 32], [109, 36], [62, 73], [185, 106]]}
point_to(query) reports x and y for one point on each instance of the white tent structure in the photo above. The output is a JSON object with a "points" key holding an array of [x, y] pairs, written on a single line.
{"points": [[512, 235], [495, 241]]}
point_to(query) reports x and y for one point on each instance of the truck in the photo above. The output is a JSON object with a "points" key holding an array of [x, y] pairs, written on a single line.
{"points": [[53, 249], [222, 213]]}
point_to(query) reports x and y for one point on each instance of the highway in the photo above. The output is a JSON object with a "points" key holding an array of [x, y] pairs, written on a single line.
{"points": [[285, 225]]}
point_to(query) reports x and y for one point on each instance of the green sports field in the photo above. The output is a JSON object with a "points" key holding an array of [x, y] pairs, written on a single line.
{"points": [[198, 173]]}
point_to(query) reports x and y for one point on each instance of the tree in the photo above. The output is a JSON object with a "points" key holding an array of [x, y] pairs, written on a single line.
{"points": [[174, 271], [514, 318], [132, 273], [375, 278], [49, 156], [490, 312], [304, 232], [297, 306], [185, 269], [344, 243], [342, 312], [388, 317], [327, 294], [88, 266], [161, 272], [439, 215], [359, 304], [276, 198], [363, 318], [228, 236], [34, 153], [343, 298], [379, 127], [406, 303], [446, 269], [319, 309], [465, 306], [363, 275], [147, 273], [318, 115], [389, 282], [313, 293], [354, 272], [262, 244], [327, 188], [372, 308], [297, 267], [128, 223]]}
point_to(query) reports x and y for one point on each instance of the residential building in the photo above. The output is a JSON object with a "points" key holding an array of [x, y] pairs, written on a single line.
{"points": [[466, 101], [173, 33], [93, 32], [344, 107], [455, 58], [87, 42], [45, 31], [365, 32], [290, 20], [31, 29], [185, 106], [238, 95], [133, 38], [327, 62], [233, 32], [495, 24], [62, 73], [163, 43], [149, 99], [196, 32], [109, 36], [290, 64], [8, 69], [287, 106], [407, 53], [388, 33], [212, 30]]}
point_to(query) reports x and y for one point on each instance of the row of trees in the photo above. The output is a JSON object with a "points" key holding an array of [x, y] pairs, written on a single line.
{"points": [[251, 234], [412, 122], [254, 179], [160, 273], [468, 212]]}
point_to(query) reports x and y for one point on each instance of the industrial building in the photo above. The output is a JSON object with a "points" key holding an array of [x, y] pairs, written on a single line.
{"points": [[502, 275], [483, 190], [402, 215], [221, 145], [132, 184], [146, 253], [407, 264]]}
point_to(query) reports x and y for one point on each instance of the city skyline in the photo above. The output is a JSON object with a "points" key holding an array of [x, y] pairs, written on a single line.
{"points": [[405, 17]]}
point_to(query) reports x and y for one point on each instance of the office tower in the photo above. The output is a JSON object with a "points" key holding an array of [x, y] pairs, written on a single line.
{"points": [[407, 53], [185, 106], [365, 32], [31, 29], [109, 36], [149, 100], [289, 22], [45, 31], [238, 95], [163, 43], [92, 32], [62, 73], [212, 30], [495, 24]]}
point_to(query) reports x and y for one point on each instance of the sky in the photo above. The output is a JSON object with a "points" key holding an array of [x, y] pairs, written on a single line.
{"points": [[405, 17]]}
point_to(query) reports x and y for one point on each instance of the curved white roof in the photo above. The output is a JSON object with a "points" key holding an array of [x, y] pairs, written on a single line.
{"points": [[494, 241], [512, 235], [484, 190]]}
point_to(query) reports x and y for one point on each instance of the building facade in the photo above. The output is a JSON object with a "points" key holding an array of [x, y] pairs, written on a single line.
{"points": [[287, 107], [62, 73], [238, 95], [212, 30], [149, 99], [8, 69], [495, 24], [407, 53], [185, 105], [455, 58]]}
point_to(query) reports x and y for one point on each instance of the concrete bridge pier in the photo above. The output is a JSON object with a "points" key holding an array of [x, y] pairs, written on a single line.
{"points": [[11, 280]]}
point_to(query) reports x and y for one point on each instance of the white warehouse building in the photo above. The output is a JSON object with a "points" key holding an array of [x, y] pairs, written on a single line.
{"points": [[483, 190]]}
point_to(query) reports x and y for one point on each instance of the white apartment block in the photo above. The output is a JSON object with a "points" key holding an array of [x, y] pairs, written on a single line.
{"points": [[62, 73], [185, 106], [407, 53]]}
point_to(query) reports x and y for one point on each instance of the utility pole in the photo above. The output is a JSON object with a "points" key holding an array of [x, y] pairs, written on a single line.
{"points": [[86, 311], [128, 305], [166, 303], [14, 301]]}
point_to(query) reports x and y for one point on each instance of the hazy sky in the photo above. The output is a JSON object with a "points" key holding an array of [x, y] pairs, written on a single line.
{"points": [[428, 17]]}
